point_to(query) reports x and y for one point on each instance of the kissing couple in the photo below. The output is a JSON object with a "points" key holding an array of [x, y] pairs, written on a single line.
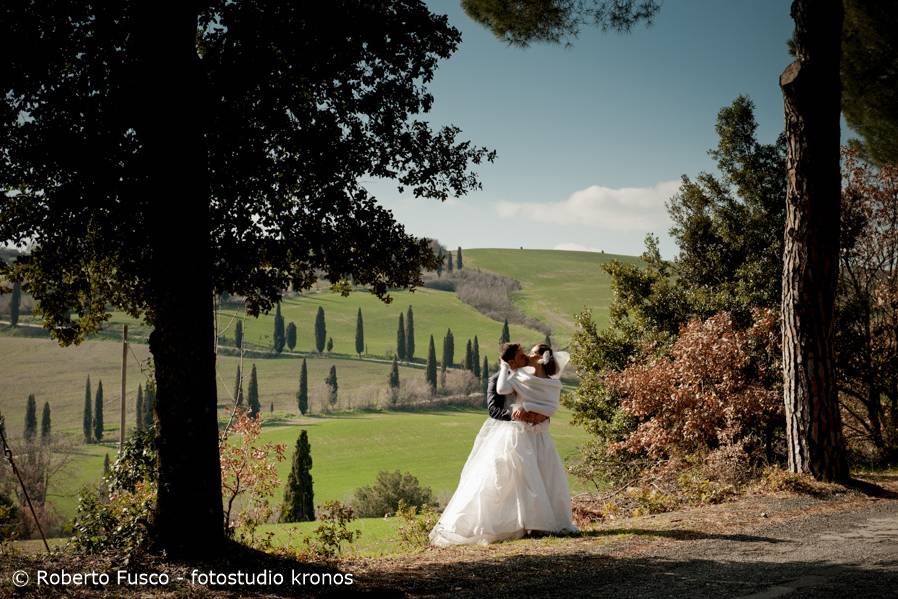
{"points": [[513, 482]]}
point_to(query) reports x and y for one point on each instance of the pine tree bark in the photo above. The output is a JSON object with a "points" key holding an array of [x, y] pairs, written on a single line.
{"points": [[811, 91], [168, 81]]}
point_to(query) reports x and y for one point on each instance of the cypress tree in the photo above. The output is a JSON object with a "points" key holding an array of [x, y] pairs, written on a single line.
{"points": [[458, 262], [291, 335], [331, 381], [88, 422], [400, 338], [31, 419], [506, 334], [238, 387], [485, 375], [302, 396], [279, 335], [298, 494], [451, 357], [15, 303], [445, 362], [394, 374], [410, 336], [107, 467], [475, 359], [440, 262], [149, 401], [330, 344], [469, 357], [238, 334], [271, 408], [359, 334], [98, 413], [432, 366], [138, 409], [45, 423], [320, 330], [449, 265], [252, 394]]}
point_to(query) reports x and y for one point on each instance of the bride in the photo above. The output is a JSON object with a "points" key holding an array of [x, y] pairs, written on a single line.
{"points": [[513, 481]]}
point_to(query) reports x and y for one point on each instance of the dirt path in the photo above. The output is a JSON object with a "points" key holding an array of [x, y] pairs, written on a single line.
{"points": [[759, 547]]}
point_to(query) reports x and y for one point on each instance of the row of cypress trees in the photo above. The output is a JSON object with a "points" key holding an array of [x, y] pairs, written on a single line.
{"points": [[458, 262], [405, 338], [286, 334], [92, 421], [31, 421], [252, 401]]}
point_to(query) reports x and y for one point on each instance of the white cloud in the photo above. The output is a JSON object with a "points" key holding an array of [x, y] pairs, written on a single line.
{"points": [[624, 209]]}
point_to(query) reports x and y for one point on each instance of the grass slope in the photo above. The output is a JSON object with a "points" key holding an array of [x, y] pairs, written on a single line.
{"points": [[434, 313], [57, 375], [348, 449], [556, 284]]}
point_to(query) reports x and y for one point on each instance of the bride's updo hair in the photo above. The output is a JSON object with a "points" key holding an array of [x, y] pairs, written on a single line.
{"points": [[551, 367]]}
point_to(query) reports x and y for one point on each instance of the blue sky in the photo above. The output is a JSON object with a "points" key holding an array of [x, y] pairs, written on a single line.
{"points": [[593, 138]]}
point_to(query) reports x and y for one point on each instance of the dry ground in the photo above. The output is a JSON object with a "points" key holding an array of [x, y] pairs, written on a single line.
{"points": [[762, 545]]}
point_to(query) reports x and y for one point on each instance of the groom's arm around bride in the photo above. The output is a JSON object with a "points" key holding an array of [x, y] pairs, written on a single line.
{"points": [[495, 403]]}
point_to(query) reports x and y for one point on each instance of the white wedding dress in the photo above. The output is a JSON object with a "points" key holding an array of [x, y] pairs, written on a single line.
{"points": [[513, 480]]}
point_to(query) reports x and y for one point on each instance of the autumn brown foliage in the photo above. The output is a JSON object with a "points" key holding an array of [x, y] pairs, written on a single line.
{"points": [[709, 394], [866, 338]]}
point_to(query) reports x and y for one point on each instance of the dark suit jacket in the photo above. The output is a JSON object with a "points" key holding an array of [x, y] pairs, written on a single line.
{"points": [[495, 403]]}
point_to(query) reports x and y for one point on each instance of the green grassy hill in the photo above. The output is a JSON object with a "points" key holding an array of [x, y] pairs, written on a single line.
{"points": [[434, 312], [350, 448], [556, 284]]}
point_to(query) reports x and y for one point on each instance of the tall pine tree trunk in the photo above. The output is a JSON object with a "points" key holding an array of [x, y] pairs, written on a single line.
{"points": [[189, 505], [811, 90]]}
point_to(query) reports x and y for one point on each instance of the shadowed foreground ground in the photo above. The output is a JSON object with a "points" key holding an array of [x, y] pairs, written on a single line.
{"points": [[760, 546]]}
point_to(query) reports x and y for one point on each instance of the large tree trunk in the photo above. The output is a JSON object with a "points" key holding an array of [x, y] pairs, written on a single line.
{"points": [[811, 90], [189, 518]]}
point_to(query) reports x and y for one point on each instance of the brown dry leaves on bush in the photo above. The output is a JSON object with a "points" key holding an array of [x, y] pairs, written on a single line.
{"points": [[707, 394]]}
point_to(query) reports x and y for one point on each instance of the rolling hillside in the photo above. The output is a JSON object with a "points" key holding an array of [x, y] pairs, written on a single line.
{"points": [[349, 447], [556, 284]]}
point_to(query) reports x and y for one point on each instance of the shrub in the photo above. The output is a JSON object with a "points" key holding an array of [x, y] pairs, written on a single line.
{"points": [[329, 536], [708, 394], [248, 477], [382, 499], [440, 284], [118, 522], [416, 524], [117, 514], [9, 527]]}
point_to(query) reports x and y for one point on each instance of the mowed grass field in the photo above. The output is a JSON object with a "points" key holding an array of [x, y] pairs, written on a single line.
{"points": [[434, 313], [348, 449], [58, 375], [556, 284]]}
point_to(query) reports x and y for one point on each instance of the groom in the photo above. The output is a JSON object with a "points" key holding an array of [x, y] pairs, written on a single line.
{"points": [[514, 355]]}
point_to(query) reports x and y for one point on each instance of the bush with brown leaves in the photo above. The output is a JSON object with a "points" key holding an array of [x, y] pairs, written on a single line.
{"points": [[710, 393]]}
